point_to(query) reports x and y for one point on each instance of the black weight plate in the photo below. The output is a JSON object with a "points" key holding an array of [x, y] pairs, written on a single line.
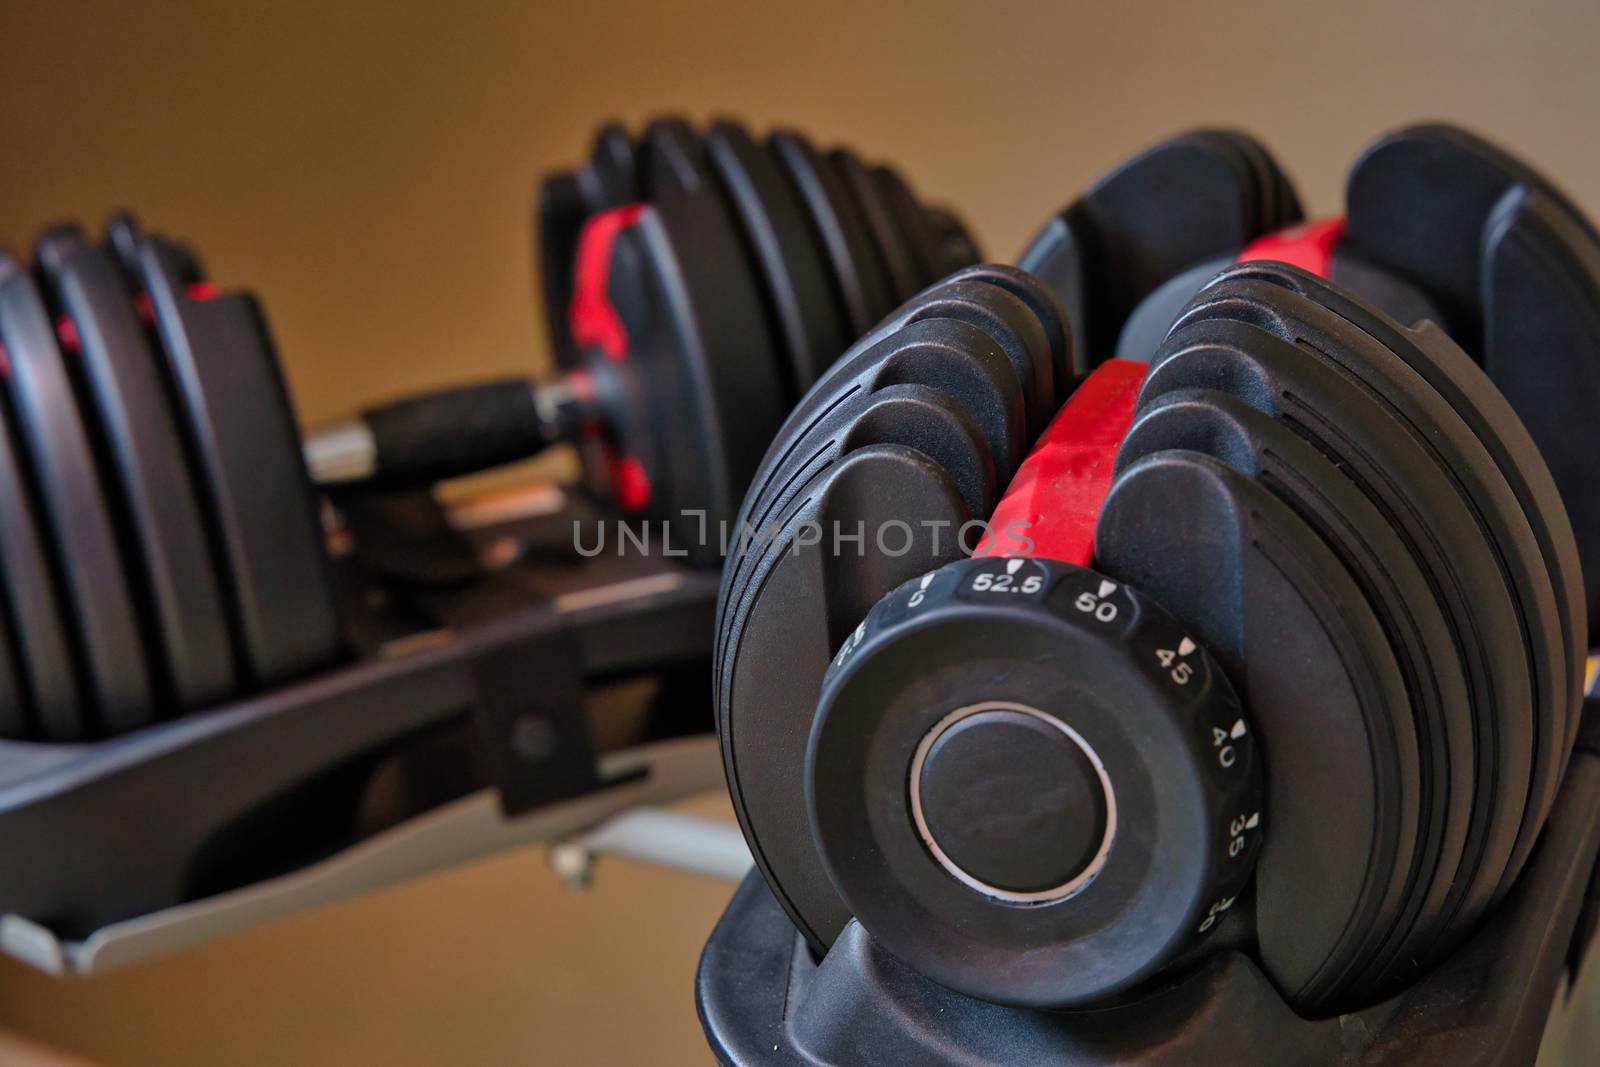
{"points": [[611, 177], [122, 240], [899, 269], [1258, 446], [1417, 202], [1263, 190], [1379, 450], [846, 373], [845, 378], [1462, 457], [717, 320], [1261, 591], [251, 480], [792, 262], [1279, 205], [969, 371], [936, 421], [1282, 195], [36, 633], [727, 330], [913, 224], [933, 423], [560, 214], [123, 237], [148, 478], [1489, 413], [1009, 279], [957, 248], [671, 159], [805, 437], [1290, 210], [803, 604], [1148, 324], [1186, 200], [114, 669], [1541, 283], [1012, 325], [14, 724], [956, 359], [1052, 319], [839, 228]]}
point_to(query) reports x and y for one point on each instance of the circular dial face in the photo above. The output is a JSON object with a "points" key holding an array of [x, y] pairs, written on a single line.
{"points": [[1013, 802], [1029, 782]]}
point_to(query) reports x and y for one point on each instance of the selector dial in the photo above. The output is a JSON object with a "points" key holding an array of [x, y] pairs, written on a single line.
{"points": [[1027, 781]]}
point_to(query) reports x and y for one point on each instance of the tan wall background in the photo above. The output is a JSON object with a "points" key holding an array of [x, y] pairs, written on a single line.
{"points": [[368, 169]]}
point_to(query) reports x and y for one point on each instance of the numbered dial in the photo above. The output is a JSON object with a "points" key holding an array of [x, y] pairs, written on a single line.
{"points": [[1027, 781]]}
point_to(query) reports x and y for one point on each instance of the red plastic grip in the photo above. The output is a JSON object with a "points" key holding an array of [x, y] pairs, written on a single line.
{"points": [[591, 316], [1051, 506], [1308, 246]]}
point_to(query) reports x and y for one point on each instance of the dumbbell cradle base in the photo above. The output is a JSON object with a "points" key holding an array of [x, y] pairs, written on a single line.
{"points": [[258, 787], [763, 999]]}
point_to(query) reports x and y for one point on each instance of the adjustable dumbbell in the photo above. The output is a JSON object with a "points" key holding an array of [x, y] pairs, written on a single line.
{"points": [[162, 548], [706, 280], [1275, 641]]}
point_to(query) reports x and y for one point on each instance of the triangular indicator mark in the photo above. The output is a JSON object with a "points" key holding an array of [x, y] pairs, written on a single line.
{"points": [[1253, 821], [926, 580], [1107, 588], [1238, 730], [1014, 565], [1185, 647]]}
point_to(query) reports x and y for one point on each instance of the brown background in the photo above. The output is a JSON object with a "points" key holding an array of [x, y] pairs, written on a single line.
{"points": [[368, 169]]}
